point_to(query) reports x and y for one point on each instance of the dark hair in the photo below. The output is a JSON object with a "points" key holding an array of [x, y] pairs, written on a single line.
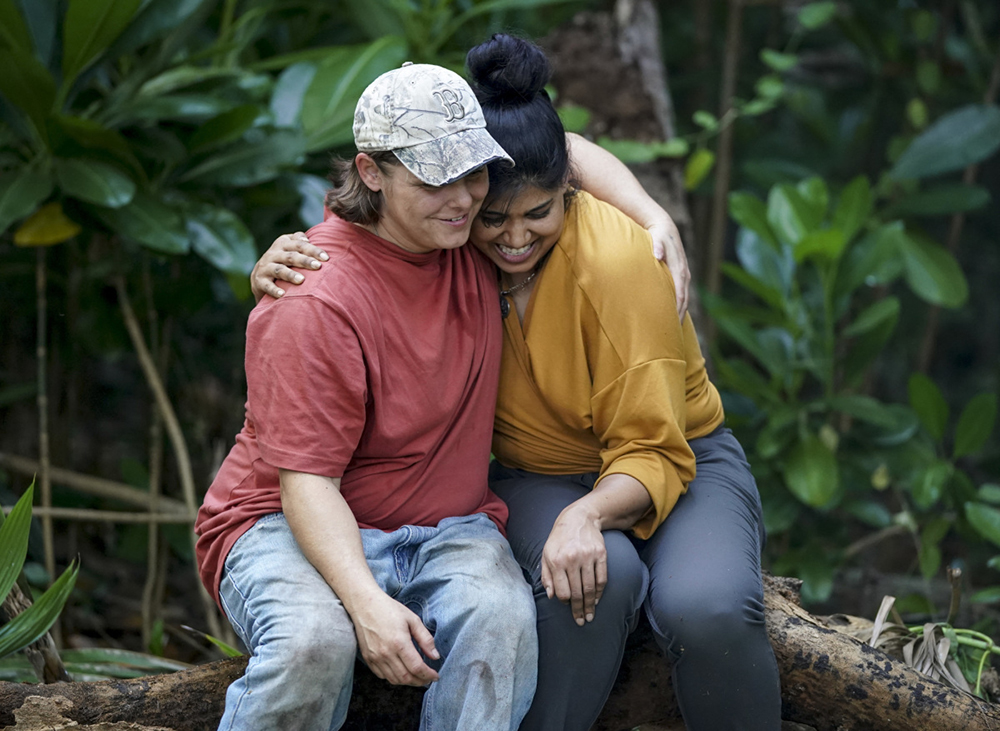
{"points": [[509, 75], [349, 197]]}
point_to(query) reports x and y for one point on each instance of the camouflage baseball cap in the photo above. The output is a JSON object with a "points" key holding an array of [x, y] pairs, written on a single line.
{"points": [[430, 119]]}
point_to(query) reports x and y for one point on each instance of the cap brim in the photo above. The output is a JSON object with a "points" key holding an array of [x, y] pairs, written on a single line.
{"points": [[445, 160]]}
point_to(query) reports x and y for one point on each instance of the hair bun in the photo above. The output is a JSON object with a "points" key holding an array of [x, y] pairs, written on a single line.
{"points": [[507, 70]]}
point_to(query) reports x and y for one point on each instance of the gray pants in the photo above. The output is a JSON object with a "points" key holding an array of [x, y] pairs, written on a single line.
{"points": [[699, 576]]}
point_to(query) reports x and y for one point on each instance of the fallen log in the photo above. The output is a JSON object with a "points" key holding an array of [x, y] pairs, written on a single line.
{"points": [[830, 681]]}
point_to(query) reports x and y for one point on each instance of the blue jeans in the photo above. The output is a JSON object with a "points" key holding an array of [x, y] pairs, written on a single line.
{"points": [[458, 577]]}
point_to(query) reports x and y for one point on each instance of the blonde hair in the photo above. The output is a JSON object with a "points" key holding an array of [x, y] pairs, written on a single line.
{"points": [[349, 197]]}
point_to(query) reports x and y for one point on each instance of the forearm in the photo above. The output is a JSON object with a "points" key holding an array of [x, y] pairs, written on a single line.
{"points": [[616, 503], [607, 178], [328, 534]]}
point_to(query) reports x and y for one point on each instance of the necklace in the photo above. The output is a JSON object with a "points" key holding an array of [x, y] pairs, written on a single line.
{"points": [[504, 303]]}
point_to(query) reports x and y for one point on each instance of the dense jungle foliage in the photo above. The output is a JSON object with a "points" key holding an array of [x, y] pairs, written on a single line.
{"points": [[151, 149]]}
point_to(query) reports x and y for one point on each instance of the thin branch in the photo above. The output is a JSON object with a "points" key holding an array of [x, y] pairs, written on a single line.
{"points": [[874, 539], [96, 486], [110, 516], [44, 460], [173, 431]]}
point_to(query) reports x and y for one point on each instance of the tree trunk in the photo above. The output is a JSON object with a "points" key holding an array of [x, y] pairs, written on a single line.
{"points": [[830, 682]]}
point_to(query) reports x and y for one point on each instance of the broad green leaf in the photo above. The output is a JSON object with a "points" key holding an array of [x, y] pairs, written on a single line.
{"points": [[960, 138], [148, 222], [816, 15], [328, 105], [289, 91], [220, 237], [155, 19], [930, 485], [13, 30], [866, 408], [854, 207], [788, 214], [227, 650], [870, 512], [778, 61], [94, 182], [90, 135], [698, 167], [864, 349], [20, 194], [42, 20], [225, 128], [770, 87], [750, 212], [574, 117], [815, 200], [932, 272], [705, 119], [990, 595], [916, 113], [929, 404], [876, 258], [928, 76], [929, 558], [109, 656], [878, 313], [989, 493], [828, 245], [14, 541], [777, 434], [941, 200], [975, 425], [812, 473], [313, 190], [182, 77], [758, 106], [985, 519], [249, 163], [775, 267], [27, 85], [194, 108], [89, 28], [47, 226], [39, 617], [745, 279]]}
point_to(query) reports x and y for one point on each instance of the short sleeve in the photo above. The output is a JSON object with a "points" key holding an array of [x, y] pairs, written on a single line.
{"points": [[306, 385]]}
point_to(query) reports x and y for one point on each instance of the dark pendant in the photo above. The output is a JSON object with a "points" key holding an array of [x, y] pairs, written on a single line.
{"points": [[504, 307]]}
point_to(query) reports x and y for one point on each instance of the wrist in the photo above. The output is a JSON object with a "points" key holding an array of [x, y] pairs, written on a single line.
{"points": [[583, 511]]}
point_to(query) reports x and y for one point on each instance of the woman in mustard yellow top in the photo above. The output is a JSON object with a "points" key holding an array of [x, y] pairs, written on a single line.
{"points": [[622, 484]]}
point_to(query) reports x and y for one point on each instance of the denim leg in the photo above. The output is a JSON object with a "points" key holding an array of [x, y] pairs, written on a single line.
{"points": [[577, 665], [706, 599], [463, 582], [300, 637]]}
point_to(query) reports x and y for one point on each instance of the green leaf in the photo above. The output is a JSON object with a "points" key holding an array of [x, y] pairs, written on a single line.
{"points": [[27, 85], [149, 222], [941, 200], [854, 207], [774, 267], [14, 541], [574, 117], [985, 519], [313, 190], [789, 214], [989, 595], [961, 138], [289, 91], [745, 279], [975, 425], [89, 28], [750, 212], [195, 108], [932, 272], [812, 473], [916, 112], [227, 650], [156, 19], [13, 31], [125, 658], [816, 15], [874, 259], [223, 129], [929, 404], [778, 61], [93, 136], [930, 485], [827, 245], [328, 105], [94, 182], [20, 195], [34, 622], [929, 557], [989, 493], [707, 120], [928, 76], [249, 163], [698, 166], [869, 512], [770, 87], [878, 313], [866, 409], [221, 238]]}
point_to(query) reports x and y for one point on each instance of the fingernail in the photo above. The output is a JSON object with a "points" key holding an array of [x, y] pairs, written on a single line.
{"points": [[435, 655], [590, 617], [298, 278], [580, 621], [324, 256], [314, 265]]}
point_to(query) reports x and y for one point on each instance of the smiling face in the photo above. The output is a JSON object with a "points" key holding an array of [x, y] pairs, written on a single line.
{"points": [[517, 236], [422, 218]]}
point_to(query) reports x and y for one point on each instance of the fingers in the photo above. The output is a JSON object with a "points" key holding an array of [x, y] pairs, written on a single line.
{"points": [[423, 638], [298, 243], [282, 272]]}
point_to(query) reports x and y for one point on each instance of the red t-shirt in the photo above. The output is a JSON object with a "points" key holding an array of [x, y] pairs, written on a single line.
{"points": [[381, 369]]}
